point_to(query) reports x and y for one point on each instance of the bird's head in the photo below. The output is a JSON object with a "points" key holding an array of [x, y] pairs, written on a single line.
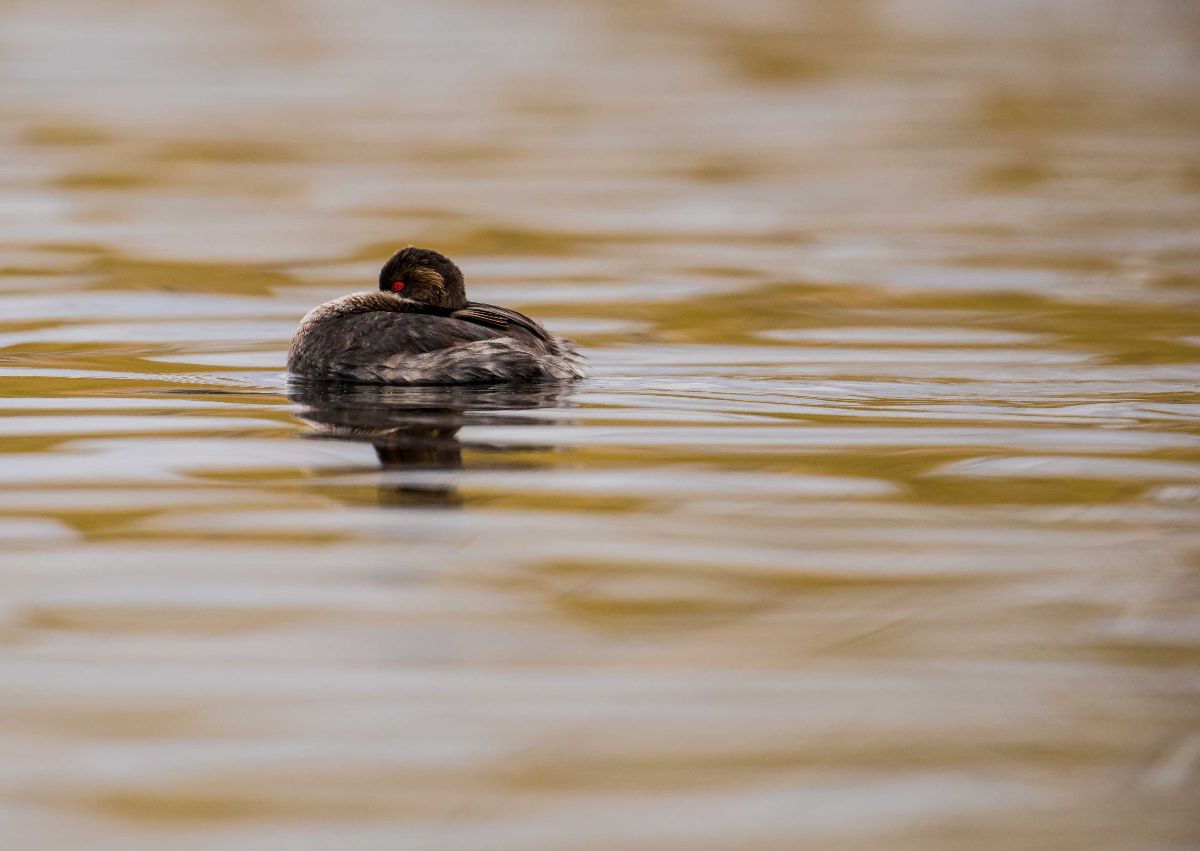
{"points": [[424, 276]]}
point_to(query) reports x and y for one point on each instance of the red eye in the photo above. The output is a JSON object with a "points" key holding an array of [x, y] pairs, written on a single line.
{"points": [[397, 286]]}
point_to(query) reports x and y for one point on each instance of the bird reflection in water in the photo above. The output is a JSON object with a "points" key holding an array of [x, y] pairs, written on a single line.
{"points": [[416, 428]]}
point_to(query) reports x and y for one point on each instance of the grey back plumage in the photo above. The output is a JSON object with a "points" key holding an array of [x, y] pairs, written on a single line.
{"points": [[381, 338]]}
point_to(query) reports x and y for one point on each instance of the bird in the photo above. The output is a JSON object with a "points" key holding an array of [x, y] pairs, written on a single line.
{"points": [[419, 328]]}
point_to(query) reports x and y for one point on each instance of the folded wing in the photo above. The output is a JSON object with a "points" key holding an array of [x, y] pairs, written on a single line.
{"points": [[503, 319]]}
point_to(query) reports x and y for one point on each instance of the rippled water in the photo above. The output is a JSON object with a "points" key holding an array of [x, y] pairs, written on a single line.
{"points": [[876, 526]]}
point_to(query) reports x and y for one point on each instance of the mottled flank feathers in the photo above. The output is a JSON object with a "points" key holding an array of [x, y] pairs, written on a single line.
{"points": [[380, 338]]}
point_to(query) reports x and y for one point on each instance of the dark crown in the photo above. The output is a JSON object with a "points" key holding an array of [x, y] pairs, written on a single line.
{"points": [[413, 266]]}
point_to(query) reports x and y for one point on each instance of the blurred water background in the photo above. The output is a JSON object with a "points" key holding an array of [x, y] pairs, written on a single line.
{"points": [[877, 526]]}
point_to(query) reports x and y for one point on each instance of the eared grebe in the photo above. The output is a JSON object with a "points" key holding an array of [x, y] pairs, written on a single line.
{"points": [[420, 329]]}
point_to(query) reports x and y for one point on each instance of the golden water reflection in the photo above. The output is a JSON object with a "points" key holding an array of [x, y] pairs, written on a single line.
{"points": [[876, 526]]}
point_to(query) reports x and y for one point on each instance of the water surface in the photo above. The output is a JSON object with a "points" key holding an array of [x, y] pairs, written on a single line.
{"points": [[875, 527]]}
